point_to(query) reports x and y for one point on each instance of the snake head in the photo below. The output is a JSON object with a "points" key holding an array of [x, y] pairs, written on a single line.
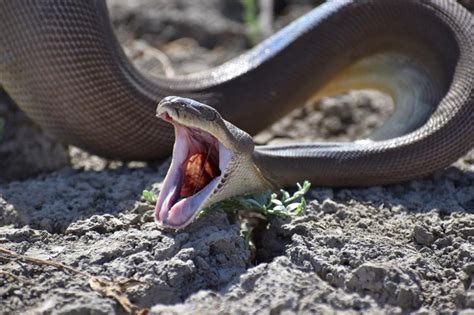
{"points": [[212, 161]]}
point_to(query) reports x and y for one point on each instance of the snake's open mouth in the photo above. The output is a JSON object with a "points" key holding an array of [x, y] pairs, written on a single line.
{"points": [[198, 161]]}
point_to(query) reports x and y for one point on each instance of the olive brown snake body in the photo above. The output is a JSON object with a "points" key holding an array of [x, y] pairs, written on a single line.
{"points": [[61, 63]]}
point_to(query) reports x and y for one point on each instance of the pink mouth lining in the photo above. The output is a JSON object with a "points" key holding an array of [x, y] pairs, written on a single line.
{"points": [[170, 210]]}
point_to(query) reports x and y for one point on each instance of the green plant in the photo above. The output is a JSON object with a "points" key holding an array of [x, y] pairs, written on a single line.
{"points": [[251, 20], [281, 205], [149, 197]]}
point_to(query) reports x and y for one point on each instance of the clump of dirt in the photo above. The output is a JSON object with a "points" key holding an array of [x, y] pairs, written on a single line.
{"points": [[346, 117]]}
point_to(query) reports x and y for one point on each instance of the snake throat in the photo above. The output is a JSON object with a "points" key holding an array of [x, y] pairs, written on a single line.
{"points": [[198, 161]]}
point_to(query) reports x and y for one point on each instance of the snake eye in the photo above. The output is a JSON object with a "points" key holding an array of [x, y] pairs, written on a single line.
{"points": [[191, 107], [209, 114], [201, 110]]}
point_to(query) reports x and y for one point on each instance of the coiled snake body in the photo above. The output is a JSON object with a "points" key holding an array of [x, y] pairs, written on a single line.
{"points": [[61, 63]]}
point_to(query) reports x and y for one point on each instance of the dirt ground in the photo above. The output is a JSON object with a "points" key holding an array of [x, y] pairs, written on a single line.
{"points": [[398, 249]]}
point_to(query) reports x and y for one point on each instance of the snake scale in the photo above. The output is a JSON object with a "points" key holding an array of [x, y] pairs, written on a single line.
{"points": [[63, 66]]}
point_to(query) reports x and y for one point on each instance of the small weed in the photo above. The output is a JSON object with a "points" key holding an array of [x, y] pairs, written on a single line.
{"points": [[149, 197], [251, 20], [280, 205]]}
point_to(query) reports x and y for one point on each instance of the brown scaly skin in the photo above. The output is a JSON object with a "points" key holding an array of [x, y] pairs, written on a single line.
{"points": [[61, 63]]}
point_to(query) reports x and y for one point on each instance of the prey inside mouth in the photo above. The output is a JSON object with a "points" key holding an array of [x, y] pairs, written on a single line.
{"points": [[198, 162]]}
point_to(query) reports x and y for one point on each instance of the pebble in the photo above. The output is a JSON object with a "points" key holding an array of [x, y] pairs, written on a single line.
{"points": [[329, 206], [422, 235]]}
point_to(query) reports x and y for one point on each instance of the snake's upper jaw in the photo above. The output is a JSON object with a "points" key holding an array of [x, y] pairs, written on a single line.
{"points": [[208, 163]]}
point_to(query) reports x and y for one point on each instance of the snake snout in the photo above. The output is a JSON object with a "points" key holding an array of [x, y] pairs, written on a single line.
{"points": [[185, 109]]}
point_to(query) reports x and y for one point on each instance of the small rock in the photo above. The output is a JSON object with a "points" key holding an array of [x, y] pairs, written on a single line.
{"points": [[464, 277], [469, 300], [321, 193], [369, 277], [445, 241], [408, 298], [449, 273], [363, 223], [342, 213], [329, 206], [98, 223], [466, 251], [426, 250], [466, 232], [469, 268], [422, 235]]}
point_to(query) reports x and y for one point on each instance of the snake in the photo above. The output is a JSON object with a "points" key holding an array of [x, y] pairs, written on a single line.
{"points": [[62, 65]]}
